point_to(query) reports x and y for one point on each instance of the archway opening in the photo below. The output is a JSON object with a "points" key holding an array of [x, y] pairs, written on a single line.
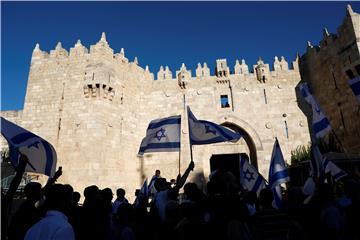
{"points": [[248, 139]]}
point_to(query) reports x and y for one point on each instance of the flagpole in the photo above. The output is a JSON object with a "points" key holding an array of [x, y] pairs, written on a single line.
{"points": [[191, 152]]}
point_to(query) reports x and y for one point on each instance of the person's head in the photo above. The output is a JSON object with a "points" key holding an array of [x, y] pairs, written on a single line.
{"points": [[59, 197], [91, 194], [161, 184], [157, 173], [76, 197], [32, 191], [120, 193], [107, 194]]}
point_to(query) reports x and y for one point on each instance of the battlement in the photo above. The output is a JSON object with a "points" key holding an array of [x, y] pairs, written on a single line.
{"points": [[350, 24], [103, 50]]}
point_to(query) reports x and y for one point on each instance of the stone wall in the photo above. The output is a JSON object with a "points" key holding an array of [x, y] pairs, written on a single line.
{"points": [[327, 68], [94, 106]]}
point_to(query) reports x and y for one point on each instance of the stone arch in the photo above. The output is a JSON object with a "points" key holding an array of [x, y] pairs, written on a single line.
{"points": [[250, 136]]}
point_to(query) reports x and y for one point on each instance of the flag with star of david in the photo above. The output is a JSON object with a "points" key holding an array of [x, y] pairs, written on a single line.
{"points": [[205, 132], [278, 174], [320, 123], [40, 153], [250, 178], [162, 135]]}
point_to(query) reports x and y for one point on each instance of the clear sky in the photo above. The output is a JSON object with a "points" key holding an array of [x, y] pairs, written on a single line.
{"points": [[161, 33]]}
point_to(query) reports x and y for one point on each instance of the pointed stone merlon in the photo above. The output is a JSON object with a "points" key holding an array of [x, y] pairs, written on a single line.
{"points": [[78, 50], [164, 74], [295, 63], [136, 61], [349, 9], [325, 33], [183, 73], [59, 51], [37, 53], [284, 64], [103, 37], [202, 71], [242, 68], [102, 47], [277, 64]]}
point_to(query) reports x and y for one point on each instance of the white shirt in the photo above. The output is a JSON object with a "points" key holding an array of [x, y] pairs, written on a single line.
{"points": [[54, 226]]}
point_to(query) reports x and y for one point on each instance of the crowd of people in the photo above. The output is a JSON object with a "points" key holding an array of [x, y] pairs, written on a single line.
{"points": [[224, 211]]}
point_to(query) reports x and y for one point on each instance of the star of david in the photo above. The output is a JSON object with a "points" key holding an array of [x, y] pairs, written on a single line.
{"points": [[209, 130], [248, 175], [160, 134]]}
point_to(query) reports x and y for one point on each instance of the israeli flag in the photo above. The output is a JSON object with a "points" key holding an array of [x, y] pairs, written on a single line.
{"points": [[250, 178], [278, 174], [41, 154], [355, 86], [320, 123], [323, 165], [334, 170], [143, 194], [162, 135], [204, 132], [316, 163]]}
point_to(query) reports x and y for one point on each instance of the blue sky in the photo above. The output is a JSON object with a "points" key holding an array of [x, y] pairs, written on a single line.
{"points": [[161, 33]]}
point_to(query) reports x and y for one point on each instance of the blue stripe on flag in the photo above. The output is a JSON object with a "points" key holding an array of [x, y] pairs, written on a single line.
{"points": [[339, 175], [165, 122], [257, 184], [325, 163], [22, 137], [280, 175], [160, 145], [356, 88], [319, 126], [49, 158]]}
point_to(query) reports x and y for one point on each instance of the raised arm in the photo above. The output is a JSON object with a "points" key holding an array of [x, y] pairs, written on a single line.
{"points": [[182, 180], [17, 179]]}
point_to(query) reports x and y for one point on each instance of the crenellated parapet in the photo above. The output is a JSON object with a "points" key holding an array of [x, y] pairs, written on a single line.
{"points": [[102, 48], [241, 68], [78, 50], [351, 24], [164, 74], [58, 52], [202, 71]]}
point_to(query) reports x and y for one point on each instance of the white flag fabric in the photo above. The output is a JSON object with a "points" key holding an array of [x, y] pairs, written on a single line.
{"points": [[250, 178], [205, 132], [320, 123], [355, 86], [326, 166], [334, 170], [316, 162], [162, 135], [40, 153], [278, 174]]}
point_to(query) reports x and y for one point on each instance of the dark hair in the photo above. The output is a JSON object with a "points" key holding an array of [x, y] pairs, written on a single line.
{"points": [[120, 192]]}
